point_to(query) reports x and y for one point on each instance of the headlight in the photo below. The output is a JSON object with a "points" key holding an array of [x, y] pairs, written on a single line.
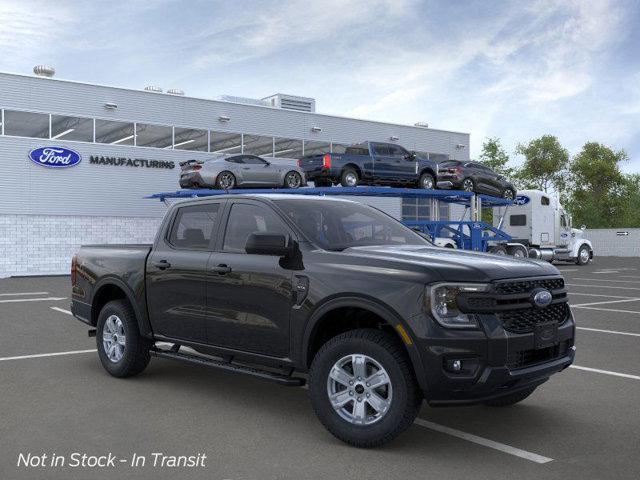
{"points": [[443, 303]]}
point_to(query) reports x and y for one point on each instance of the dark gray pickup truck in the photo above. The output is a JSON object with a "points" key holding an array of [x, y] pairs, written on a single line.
{"points": [[293, 288]]}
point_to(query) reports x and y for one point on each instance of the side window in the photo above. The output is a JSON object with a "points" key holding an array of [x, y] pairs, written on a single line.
{"points": [[238, 159], [563, 221], [544, 200], [381, 149], [245, 219], [253, 160], [193, 226], [517, 220], [396, 151]]}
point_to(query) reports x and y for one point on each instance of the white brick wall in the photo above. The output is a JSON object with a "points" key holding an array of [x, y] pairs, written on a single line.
{"points": [[44, 244]]}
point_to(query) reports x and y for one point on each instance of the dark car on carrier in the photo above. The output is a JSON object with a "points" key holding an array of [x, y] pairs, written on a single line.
{"points": [[474, 177], [279, 286]]}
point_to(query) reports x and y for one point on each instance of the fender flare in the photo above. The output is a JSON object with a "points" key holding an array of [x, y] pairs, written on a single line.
{"points": [[371, 304], [141, 316], [578, 245]]}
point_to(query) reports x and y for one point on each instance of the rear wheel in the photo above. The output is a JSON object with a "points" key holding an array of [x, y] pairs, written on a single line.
{"points": [[518, 251], [122, 350], [225, 180], [468, 185], [511, 399], [349, 178], [363, 389], [292, 180], [427, 181], [498, 250], [508, 194]]}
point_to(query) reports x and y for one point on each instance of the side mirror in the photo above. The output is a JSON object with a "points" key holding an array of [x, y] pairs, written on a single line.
{"points": [[265, 243], [410, 156]]}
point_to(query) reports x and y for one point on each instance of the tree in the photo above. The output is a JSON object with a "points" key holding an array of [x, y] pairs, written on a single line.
{"points": [[495, 157], [599, 192], [545, 164]]}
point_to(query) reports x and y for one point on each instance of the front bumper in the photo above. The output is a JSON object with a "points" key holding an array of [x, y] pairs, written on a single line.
{"points": [[500, 362]]}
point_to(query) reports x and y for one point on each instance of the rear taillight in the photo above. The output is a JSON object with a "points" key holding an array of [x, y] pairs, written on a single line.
{"points": [[326, 161], [74, 264]]}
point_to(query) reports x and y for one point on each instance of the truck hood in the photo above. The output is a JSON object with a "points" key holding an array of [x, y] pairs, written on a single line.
{"points": [[458, 265]]}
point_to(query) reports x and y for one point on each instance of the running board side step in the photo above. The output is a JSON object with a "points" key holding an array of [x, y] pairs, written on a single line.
{"points": [[230, 367]]}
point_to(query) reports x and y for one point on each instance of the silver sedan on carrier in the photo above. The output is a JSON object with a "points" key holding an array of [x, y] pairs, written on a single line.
{"points": [[241, 170]]}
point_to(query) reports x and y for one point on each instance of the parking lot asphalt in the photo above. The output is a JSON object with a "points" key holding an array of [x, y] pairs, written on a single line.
{"points": [[583, 423]]}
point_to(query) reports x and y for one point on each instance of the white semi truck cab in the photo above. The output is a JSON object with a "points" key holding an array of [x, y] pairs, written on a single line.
{"points": [[540, 223]]}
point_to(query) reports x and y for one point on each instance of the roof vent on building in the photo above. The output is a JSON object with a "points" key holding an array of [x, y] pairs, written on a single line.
{"points": [[153, 88], [175, 91], [422, 124], [243, 100], [292, 102], [44, 71]]}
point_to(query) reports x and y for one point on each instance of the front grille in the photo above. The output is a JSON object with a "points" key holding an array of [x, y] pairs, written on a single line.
{"points": [[523, 320], [527, 358], [525, 286]]}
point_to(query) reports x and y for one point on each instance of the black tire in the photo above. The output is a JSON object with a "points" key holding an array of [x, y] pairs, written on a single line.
{"points": [[468, 185], [509, 194], [221, 180], [345, 178], [136, 350], [427, 179], [518, 251], [298, 178], [579, 260], [511, 399], [498, 250], [322, 182], [389, 353]]}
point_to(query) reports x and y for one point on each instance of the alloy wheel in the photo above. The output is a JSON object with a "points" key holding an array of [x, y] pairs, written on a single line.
{"points": [[351, 179], [113, 338], [584, 255], [508, 194], [293, 180], [427, 182], [359, 389], [467, 185], [226, 181]]}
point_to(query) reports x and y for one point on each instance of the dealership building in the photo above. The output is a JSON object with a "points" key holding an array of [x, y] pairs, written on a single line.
{"points": [[129, 144]]}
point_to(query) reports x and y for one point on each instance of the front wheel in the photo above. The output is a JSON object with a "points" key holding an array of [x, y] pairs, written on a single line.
{"points": [[427, 181], [363, 388], [122, 350], [508, 194], [468, 185], [584, 255], [292, 180]]}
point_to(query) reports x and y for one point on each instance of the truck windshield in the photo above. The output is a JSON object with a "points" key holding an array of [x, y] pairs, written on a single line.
{"points": [[336, 226]]}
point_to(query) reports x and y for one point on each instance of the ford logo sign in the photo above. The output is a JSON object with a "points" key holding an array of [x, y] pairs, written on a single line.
{"points": [[55, 157], [521, 200], [542, 298]]}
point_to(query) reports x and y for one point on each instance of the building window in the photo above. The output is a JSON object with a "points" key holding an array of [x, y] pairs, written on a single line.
{"points": [[114, 133], [225, 142], [420, 209], [26, 124], [287, 148], [157, 136], [72, 128], [190, 139], [258, 145], [316, 148]]}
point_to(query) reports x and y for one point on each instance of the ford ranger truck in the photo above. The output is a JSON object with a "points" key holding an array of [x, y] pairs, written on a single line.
{"points": [[371, 163], [296, 289]]}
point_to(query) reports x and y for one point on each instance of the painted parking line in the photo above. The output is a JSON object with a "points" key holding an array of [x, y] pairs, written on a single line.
{"points": [[606, 372], [602, 286], [597, 295], [605, 302], [485, 442], [608, 331], [41, 355], [61, 310], [16, 300], [606, 309], [22, 293]]}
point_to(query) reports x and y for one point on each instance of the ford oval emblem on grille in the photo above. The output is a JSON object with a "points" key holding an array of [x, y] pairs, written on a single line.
{"points": [[542, 298]]}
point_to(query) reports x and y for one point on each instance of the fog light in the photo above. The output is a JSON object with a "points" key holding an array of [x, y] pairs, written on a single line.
{"points": [[456, 365], [462, 366]]}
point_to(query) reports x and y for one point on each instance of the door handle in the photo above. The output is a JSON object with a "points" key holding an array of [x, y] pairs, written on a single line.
{"points": [[162, 264], [221, 269], [246, 168]]}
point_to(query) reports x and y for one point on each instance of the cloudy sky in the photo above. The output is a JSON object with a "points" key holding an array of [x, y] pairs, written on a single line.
{"points": [[514, 69]]}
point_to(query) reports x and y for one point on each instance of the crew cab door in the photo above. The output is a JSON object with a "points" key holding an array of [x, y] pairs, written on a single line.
{"points": [[249, 297], [177, 271], [382, 162]]}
